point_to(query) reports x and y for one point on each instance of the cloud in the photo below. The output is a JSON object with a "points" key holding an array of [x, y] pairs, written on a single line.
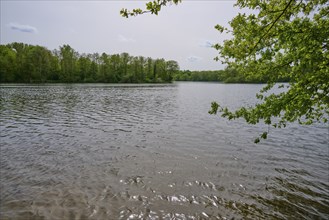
{"points": [[206, 43], [124, 39], [193, 59], [23, 28]]}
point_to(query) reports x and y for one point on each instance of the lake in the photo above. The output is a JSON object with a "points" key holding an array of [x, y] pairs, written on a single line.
{"points": [[102, 151]]}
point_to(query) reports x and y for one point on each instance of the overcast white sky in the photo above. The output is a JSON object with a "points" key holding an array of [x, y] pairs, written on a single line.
{"points": [[182, 33]]}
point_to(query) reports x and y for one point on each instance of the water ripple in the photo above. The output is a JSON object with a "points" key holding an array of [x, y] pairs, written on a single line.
{"points": [[153, 152]]}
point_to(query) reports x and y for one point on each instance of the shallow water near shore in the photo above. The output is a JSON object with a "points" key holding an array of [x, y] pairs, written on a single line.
{"points": [[102, 151]]}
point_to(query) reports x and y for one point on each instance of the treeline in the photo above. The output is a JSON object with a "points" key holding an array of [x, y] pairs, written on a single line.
{"points": [[227, 75], [23, 63]]}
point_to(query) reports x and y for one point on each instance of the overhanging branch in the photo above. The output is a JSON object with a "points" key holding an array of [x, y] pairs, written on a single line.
{"points": [[276, 20]]}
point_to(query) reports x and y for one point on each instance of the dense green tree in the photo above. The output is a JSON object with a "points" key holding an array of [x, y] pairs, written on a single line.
{"points": [[23, 63], [172, 69], [23, 68], [160, 72], [84, 69], [228, 75], [39, 59], [231, 75], [7, 59], [134, 69], [115, 68], [55, 68], [68, 58], [285, 39], [141, 69], [279, 39], [184, 75], [104, 72], [149, 69], [94, 67], [124, 64]]}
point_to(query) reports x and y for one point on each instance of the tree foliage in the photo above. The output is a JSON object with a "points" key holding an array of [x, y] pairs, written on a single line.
{"points": [[279, 39], [152, 7], [287, 39], [23, 63]]}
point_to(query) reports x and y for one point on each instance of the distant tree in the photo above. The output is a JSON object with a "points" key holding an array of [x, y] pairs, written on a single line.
{"points": [[8, 64], [135, 69], [23, 71], [68, 58], [54, 72], [104, 72], [39, 59], [161, 70], [84, 69], [115, 68], [141, 68], [149, 69], [125, 63], [172, 69], [23, 63]]}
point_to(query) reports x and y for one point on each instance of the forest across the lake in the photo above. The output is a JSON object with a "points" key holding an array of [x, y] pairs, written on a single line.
{"points": [[24, 63]]}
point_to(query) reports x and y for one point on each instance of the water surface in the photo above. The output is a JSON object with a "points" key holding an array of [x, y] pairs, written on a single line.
{"points": [[153, 152]]}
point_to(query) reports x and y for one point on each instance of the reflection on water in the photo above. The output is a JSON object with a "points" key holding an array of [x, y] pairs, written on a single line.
{"points": [[153, 152]]}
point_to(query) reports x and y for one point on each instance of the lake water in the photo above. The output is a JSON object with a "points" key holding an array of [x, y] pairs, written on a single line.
{"points": [[153, 152]]}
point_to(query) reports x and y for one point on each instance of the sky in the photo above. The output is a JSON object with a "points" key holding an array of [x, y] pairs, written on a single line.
{"points": [[183, 32]]}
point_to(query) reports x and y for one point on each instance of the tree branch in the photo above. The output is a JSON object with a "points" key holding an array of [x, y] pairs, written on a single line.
{"points": [[262, 37]]}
